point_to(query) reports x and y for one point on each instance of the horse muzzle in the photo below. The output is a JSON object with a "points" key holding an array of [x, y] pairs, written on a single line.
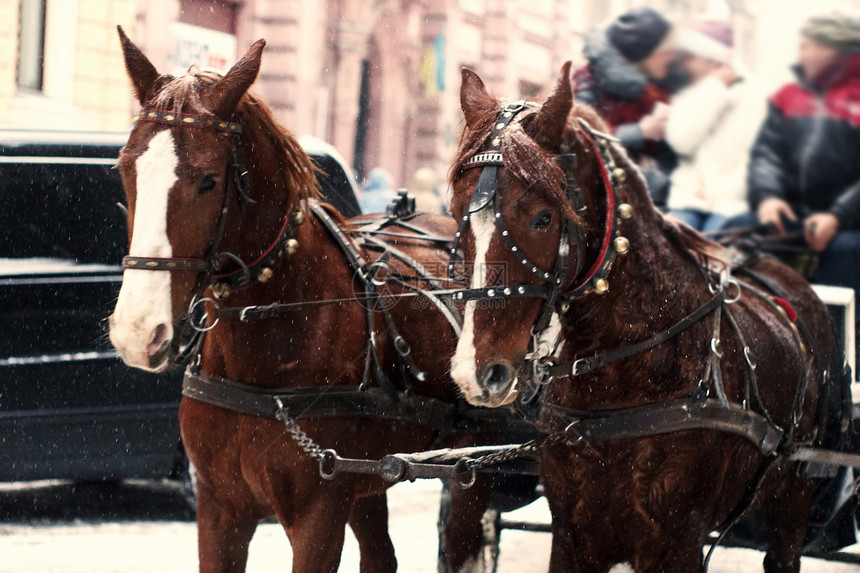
{"points": [[498, 385], [145, 346]]}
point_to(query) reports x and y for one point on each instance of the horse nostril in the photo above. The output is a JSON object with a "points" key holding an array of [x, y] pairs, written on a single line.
{"points": [[497, 378], [159, 340]]}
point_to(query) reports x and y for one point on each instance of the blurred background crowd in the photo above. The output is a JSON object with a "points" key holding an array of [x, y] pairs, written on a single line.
{"points": [[738, 112]]}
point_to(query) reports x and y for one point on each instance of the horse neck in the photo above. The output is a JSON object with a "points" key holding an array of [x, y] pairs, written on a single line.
{"points": [[252, 226], [257, 351], [652, 286]]}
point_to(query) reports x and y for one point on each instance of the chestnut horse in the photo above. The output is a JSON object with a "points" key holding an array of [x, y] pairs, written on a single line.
{"points": [[611, 308], [197, 189]]}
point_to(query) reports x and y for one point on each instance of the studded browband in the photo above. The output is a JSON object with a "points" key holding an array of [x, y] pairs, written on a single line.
{"points": [[612, 244], [188, 120]]}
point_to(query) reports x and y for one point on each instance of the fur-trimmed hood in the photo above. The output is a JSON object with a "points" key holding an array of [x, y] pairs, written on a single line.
{"points": [[613, 73]]}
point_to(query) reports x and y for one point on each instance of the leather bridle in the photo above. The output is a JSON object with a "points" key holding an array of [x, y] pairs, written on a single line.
{"points": [[562, 284], [259, 271]]}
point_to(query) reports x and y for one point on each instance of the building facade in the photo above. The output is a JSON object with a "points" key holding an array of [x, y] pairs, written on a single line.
{"points": [[379, 79]]}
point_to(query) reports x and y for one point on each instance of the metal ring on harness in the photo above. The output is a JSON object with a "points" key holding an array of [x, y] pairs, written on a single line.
{"points": [[373, 272], [540, 371], [328, 457], [717, 347], [191, 309], [731, 300], [749, 358], [402, 346], [467, 474]]}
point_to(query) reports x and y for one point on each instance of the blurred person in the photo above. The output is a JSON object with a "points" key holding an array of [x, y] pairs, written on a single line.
{"points": [[712, 125], [425, 191], [626, 60], [805, 165], [377, 193]]}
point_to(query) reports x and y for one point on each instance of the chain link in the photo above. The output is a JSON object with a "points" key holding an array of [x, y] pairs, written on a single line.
{"points": [[305, 442], [530, 448]]}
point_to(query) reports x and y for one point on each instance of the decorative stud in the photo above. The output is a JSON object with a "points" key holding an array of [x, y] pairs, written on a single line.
{"points": [[298, 218], [292, 246], [521, 290], [265, 275], [221, 290], [500, 126], [619, 174], [621, 244], [601, 286], [497, 142], [491, 293], [625, 211]]}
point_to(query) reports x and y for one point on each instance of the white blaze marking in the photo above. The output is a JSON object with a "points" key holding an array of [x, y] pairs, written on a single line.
{"points": [[622, 568], [144, 299], [463, 367]]}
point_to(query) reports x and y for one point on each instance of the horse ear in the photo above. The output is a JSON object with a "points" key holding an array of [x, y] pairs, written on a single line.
{"points": [[140, 70], [226, 94], [551, 120], [474, 99]]}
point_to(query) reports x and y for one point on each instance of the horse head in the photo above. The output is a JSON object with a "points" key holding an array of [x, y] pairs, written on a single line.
{"points": [[535, 194], [186, 170]]}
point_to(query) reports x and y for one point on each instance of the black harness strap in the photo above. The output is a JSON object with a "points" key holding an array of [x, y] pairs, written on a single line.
{"points": [[346, 401], [663, 418], [588, 364], [360, 266]]}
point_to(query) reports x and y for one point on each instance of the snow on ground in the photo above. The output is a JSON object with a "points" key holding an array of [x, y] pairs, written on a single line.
{"points": [[50, 527]]}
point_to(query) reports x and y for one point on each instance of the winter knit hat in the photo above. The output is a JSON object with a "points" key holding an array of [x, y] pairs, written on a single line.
{"points": [[711, 39], [838, 28], [638, 32]]}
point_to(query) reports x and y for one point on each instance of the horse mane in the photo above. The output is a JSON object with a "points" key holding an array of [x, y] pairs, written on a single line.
{"points": [[184, 95]]}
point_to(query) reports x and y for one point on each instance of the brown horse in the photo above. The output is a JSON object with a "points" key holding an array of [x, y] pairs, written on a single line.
{"points": [[189, 201], [628, 309]]}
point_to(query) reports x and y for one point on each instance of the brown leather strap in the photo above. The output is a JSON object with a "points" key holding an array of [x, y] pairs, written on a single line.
{"points": [[588, 364], [665, 418], [165, 264], [349, 401]]}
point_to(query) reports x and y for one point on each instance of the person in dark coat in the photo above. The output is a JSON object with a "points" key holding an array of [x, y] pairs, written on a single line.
{"points": [[625, 62], [805, 165]]}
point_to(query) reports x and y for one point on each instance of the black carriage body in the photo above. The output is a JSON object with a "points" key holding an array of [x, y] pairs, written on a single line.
{"points": [[69, 407]]}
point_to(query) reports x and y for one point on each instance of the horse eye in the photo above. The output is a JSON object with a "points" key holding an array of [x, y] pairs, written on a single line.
{"points": [[207, 185], [542, 220]]}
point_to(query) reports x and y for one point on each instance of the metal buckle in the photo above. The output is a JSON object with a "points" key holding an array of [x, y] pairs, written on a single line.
{"points": [[574, 370]]}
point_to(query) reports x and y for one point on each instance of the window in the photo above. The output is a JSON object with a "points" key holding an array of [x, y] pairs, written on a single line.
{"points": [[61, 211], [31, 44]]}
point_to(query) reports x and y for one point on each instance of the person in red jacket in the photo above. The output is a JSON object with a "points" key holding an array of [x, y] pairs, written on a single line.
{"points": [[626, 60], [805, 165]]}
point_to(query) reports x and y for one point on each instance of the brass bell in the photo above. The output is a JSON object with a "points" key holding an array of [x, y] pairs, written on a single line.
{"points": [[619, 174], [625, 211], [221, 290], [265, 275], [292, 246], [621, 244], [601, 286], [298, 218]]}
